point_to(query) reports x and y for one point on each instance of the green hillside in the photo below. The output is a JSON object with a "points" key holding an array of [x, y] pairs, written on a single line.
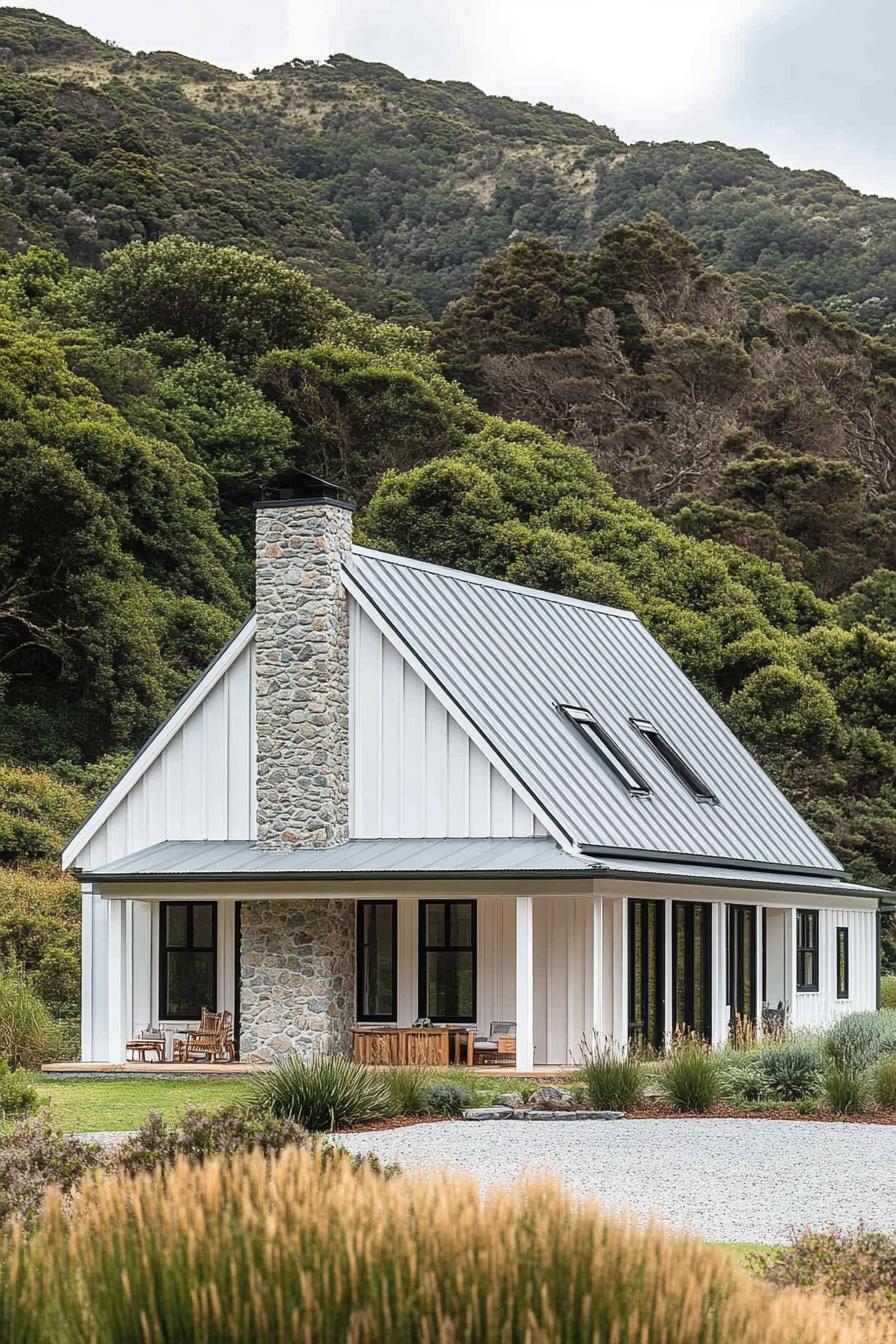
{"points": [[379, 183]]}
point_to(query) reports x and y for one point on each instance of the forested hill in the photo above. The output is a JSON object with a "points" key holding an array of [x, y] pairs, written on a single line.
{"points": [[385, 187]]}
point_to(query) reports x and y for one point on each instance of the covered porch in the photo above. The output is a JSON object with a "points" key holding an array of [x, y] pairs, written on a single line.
{"points": [[306, 949]]}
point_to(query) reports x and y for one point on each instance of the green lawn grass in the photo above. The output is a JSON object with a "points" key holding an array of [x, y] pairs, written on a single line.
{"points": [[124, 1103]]}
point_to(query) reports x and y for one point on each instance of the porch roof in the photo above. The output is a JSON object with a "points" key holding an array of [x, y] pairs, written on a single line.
{"points": [[242, 860]]}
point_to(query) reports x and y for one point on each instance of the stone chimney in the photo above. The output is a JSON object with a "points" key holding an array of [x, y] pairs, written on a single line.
{"points": [[302, 667]]}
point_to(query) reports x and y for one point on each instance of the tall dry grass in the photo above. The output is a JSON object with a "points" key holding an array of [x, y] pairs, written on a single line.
{"points": [[300, 1251]]}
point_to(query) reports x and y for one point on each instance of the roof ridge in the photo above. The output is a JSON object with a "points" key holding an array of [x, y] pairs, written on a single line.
{"points": [[468, 576]]}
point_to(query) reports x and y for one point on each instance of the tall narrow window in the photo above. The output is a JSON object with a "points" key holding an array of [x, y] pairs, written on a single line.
{"points": [[611, 755], [676, 763], [188, 937], [842, 962], [807, 951], [448, 960], [377, 960]]}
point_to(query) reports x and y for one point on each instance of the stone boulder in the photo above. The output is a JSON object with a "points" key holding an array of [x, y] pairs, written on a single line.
{"points": [[512, 1099], [551, 1099]]}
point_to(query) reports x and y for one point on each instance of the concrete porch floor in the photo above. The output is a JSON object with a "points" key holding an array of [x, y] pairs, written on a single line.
{"points": [[159, 1070]]}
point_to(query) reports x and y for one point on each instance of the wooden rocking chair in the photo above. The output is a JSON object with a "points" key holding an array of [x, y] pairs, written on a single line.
{"points": [[212, 1040]]}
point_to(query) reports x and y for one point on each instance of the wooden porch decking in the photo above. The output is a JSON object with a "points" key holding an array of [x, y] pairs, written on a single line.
{"points": [[159, 1070]]}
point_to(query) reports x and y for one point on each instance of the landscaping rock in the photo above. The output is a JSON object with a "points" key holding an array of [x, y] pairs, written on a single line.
{"points": [[551, 1099], [489, 1113], [512, 1099], [566, 1115]]}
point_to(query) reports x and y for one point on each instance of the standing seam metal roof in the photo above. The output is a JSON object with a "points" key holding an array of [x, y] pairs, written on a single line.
{"points": [[506, 655]]}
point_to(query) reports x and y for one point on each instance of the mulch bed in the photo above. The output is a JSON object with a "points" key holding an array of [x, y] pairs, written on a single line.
{"points": [[661, 1110]]}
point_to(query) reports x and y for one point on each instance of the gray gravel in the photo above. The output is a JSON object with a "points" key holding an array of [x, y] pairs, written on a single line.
{"points": [[727, 1180]]}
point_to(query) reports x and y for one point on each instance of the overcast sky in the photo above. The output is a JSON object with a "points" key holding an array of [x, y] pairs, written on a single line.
{"points": [[810, 82]]}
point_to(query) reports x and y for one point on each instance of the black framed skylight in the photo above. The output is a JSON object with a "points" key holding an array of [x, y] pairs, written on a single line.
{"points": [[676, 763], [613, 757]]}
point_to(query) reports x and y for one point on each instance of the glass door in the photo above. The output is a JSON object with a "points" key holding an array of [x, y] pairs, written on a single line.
{"points": [[646, 982], [692, 968]]}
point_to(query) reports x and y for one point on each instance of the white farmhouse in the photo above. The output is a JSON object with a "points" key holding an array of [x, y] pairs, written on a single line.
{"points": [[406, 792]]}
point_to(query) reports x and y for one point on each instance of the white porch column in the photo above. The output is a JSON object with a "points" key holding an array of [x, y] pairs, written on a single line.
{"points": [[620, 972], [597, 968], [119, 1026], [760, 954], [86, 971], [719, 975], [525, 984]]}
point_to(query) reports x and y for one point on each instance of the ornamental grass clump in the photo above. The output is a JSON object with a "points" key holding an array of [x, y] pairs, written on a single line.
{"points": [[298, 1249], [845, 1089], [29, 1035], [325, 1093], [613, 1078], [409, 1087], [884, 1083], [792, 1070], [691, 1077]]}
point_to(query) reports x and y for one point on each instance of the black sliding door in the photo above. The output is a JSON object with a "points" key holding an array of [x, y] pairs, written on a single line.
{"points": [[646, 987], [692, 968], [741, 963]]}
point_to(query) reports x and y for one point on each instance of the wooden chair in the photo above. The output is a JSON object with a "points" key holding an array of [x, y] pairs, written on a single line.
{"points": [[151, 1041], [498, 1047], [212, 1040]]}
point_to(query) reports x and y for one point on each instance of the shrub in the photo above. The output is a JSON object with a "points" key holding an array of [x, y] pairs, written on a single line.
{"points": [[202, 1134], [447, 1098], [692, 1076], [885, 1082], [858, 1264], [858, 1040], [845, 1089], [888, 991], [792, 1070], [17, 1095], [33, 1156], [742, 1079], [297, 1248], [29, 1036], [327, 1093], [613, 1078], [409, 1090]]}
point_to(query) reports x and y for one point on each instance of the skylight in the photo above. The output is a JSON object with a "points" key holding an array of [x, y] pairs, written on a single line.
{"points": [[680, 767], [600, 742]]}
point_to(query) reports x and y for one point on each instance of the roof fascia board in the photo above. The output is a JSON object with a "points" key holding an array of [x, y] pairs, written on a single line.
{"points": [[312, 886], [155, 745], [447, 701]]}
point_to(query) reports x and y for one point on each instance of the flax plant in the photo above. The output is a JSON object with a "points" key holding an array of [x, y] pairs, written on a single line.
{"points": [[303, 1251]]}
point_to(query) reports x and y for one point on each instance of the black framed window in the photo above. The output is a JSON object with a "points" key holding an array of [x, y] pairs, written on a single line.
{"points": [[188, 959], [603, 745], [448, 961], [842, 961], [676, 763], [646, 973], [807, 951], [377, 960]]}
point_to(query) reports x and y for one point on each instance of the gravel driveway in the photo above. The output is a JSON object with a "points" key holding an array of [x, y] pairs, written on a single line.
{"points": [[727, 1180]]}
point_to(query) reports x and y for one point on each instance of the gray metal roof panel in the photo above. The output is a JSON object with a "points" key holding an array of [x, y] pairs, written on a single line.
{"points": [[216, 859], [706, 875], [506, 655]]}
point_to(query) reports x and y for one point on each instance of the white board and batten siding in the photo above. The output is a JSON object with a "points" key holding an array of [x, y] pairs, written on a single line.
{"points": [[816, 1010], [414, 770]]}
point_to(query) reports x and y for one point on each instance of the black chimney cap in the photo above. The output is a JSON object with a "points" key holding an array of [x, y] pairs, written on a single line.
{"points": [[302, 488]]}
